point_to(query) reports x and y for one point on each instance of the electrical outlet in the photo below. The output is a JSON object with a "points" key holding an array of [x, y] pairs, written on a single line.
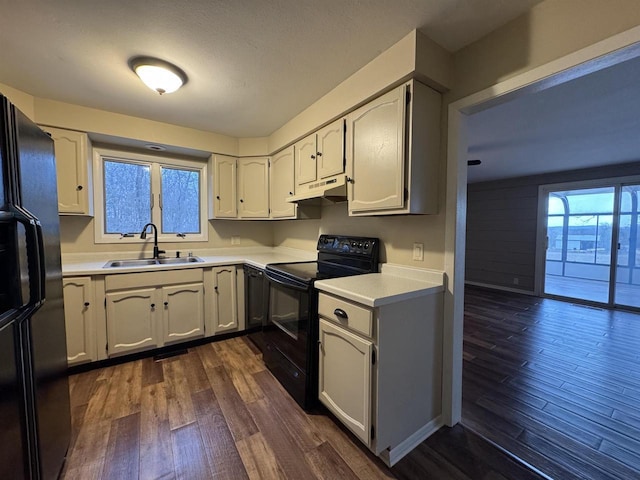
{"points": [[235, 239], [418, 251]]}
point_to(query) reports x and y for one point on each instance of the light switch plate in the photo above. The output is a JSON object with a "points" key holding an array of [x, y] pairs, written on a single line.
{"points": [[418, 251]]}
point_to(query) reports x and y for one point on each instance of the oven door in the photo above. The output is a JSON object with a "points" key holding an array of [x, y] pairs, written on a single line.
{"points": [[291, 336], [287, 327]]}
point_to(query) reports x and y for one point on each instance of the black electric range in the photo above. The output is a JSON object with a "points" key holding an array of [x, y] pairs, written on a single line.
{"points": [[291, 330]]}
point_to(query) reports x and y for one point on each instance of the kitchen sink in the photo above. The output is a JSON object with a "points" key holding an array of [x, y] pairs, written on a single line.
{"points": [[142, 262]]}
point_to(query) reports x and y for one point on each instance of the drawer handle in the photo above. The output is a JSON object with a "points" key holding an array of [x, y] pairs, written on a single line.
{"points": [[338, 312]]}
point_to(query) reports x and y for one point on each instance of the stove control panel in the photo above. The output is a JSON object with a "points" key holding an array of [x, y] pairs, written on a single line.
{"points": [[348, 245]]}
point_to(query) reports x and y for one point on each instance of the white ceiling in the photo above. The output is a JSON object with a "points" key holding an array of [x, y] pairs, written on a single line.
{"points": [[252, 64], [588, 122]]}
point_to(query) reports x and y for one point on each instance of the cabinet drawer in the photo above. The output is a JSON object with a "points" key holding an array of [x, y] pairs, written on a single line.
{"points": [[356, 317]]}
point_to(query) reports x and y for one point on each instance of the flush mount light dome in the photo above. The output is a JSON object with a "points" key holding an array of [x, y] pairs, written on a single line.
{"points": [[158, 75]]}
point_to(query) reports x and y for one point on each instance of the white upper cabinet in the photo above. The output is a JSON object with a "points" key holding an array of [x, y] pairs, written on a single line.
{"points": [[253, 187], [393, 153], [330, 154], [321, 154], [282, 184], [305, 154], [73, 165], [223, 199]]}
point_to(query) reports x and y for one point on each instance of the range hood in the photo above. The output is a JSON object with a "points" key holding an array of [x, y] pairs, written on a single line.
{"points": [[332, 188]]}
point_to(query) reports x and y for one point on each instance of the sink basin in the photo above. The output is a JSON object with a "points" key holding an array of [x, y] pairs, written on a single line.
{"points": [[142, 262], [177, 261]]}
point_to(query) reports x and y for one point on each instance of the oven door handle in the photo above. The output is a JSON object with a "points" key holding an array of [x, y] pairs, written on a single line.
{"points": [[286, 284]]}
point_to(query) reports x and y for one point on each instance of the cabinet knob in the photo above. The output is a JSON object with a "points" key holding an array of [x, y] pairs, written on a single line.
{"points": [[217, 197], [290, 193], [349, 180], [79, 187], [86, 304], [313, 157], [153, 305], [319, 154], [241, 201], [215, 288], [166, 304]]}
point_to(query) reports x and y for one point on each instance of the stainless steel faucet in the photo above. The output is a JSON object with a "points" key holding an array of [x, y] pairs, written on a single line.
{"points": [[143, 235]]}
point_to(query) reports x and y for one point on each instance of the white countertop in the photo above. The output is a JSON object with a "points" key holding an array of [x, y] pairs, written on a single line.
{"points": [[93, 264], [394, 284]]}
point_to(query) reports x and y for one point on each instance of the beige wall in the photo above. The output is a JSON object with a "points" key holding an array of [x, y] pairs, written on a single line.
{"points": [[397, 233], [77, 234], [76, 117], [550, 30]]}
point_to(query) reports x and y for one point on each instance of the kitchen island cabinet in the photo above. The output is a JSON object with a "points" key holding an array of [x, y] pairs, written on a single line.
{"points": [[380, 359], [79, 320]]}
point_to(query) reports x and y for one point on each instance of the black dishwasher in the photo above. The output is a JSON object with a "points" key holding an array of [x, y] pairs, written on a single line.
{"points": [[255, 299]]}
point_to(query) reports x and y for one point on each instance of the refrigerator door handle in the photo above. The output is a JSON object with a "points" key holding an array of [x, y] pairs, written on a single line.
{"points": [[42, 268], [34, 260]]}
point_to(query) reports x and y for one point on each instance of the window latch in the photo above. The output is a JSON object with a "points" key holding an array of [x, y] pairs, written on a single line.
{"points": [[181, 235], [126, 235]]}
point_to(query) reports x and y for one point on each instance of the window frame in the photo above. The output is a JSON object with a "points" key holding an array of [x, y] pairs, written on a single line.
{"points": [[155, 163]]}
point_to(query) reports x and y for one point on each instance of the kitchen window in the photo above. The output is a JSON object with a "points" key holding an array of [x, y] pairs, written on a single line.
{"points": [[133, 189]]}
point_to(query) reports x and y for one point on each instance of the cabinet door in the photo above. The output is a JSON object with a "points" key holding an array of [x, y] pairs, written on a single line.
{"points": [[376, 141], [132, 320], [224, 201], [183, 312], [331, 149], [72, 166], [282, 184], [344, 383], [305, 155], [225, 313], [79, 320], [253, 187]]}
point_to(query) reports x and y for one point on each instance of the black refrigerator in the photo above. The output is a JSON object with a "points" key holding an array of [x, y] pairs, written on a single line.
{"points": [[35, 420]]}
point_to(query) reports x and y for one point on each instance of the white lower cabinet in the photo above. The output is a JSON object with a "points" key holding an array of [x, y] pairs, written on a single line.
{"points": [[79, 320], [132, 320], [151, 309], [345, 377], [224, 311], [380, 370], [183, 312]]}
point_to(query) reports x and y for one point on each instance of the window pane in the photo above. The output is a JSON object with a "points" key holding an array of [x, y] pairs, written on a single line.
{"points": [[127, 196], [180, 200]]}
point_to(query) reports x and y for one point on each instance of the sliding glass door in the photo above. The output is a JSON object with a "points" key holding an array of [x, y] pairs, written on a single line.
{"points": [[592, 251], [579, 240], [627, 286]]}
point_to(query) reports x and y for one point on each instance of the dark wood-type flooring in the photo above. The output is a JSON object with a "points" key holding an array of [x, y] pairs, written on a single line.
{"points": [[215, 412], [557, 384]]}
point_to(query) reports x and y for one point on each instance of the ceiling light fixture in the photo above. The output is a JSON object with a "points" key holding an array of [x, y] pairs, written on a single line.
{"points": [[158, 75]]}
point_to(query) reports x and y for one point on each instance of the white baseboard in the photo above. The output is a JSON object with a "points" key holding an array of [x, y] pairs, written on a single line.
{"points": [[392, 456]]}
